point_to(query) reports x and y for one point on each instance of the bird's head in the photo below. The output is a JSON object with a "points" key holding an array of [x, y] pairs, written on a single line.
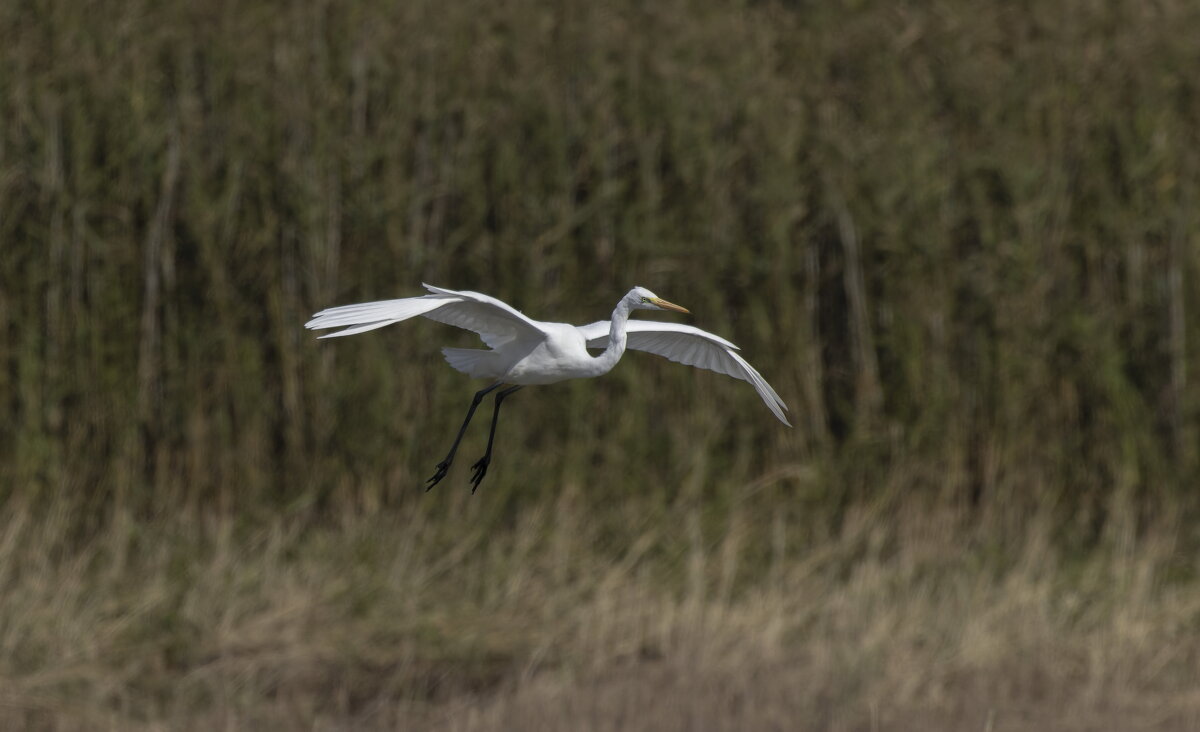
{"points": [[642, 299]]}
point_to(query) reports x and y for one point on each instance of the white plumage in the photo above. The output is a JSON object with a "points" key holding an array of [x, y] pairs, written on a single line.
{"points": [[523, 352]]}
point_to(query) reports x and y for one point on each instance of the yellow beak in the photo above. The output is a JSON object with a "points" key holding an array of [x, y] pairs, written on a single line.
{"points": [[668, 305]]}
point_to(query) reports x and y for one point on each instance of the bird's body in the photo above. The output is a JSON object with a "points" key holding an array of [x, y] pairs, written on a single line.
{"points": [[560, 356], [526, 352]]}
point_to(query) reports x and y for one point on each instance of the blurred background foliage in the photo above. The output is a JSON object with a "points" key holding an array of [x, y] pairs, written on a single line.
{"points": [[960, 239]]}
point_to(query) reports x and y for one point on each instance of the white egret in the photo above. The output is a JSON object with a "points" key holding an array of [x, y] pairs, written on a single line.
{"points": [[525, 352]]}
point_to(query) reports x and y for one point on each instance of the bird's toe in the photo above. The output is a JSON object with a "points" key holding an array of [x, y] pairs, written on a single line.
{"points": [[480, 469], [442, 469]]}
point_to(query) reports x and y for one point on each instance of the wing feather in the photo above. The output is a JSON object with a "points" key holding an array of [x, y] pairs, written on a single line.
{"points": [[494, 321], [690, 346]]}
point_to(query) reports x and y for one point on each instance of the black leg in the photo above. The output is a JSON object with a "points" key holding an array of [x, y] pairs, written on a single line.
{"points": [[482, 465], [444, 466]]}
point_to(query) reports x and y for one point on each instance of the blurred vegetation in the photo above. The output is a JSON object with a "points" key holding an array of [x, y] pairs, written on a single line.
{"points": [[961, 239]]}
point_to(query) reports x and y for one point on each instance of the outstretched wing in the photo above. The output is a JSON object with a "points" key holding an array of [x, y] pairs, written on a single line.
{"points": [[690, 346], [497, 323]]}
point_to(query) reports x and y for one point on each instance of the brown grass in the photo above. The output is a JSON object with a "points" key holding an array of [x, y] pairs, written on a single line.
{"points": [[906, 617]]}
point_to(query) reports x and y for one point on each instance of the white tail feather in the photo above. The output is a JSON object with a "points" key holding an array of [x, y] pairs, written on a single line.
{"points": [[474, 362]]}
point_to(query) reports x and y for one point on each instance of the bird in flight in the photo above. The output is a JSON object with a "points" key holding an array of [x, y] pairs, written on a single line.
{"points": [[525, 352]]}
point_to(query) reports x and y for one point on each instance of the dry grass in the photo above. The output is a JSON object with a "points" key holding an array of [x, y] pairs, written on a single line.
{"points": [[906, 617]]}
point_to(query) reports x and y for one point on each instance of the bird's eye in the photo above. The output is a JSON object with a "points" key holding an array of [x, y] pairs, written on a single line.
{"points": [[645, 299]]}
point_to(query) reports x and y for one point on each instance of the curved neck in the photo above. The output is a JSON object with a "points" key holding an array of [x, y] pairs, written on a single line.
{"points": [[616, 339]]}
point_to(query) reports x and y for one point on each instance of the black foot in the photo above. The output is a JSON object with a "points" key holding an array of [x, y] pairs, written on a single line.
{"points": [[442, 468], [480, 469]]}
